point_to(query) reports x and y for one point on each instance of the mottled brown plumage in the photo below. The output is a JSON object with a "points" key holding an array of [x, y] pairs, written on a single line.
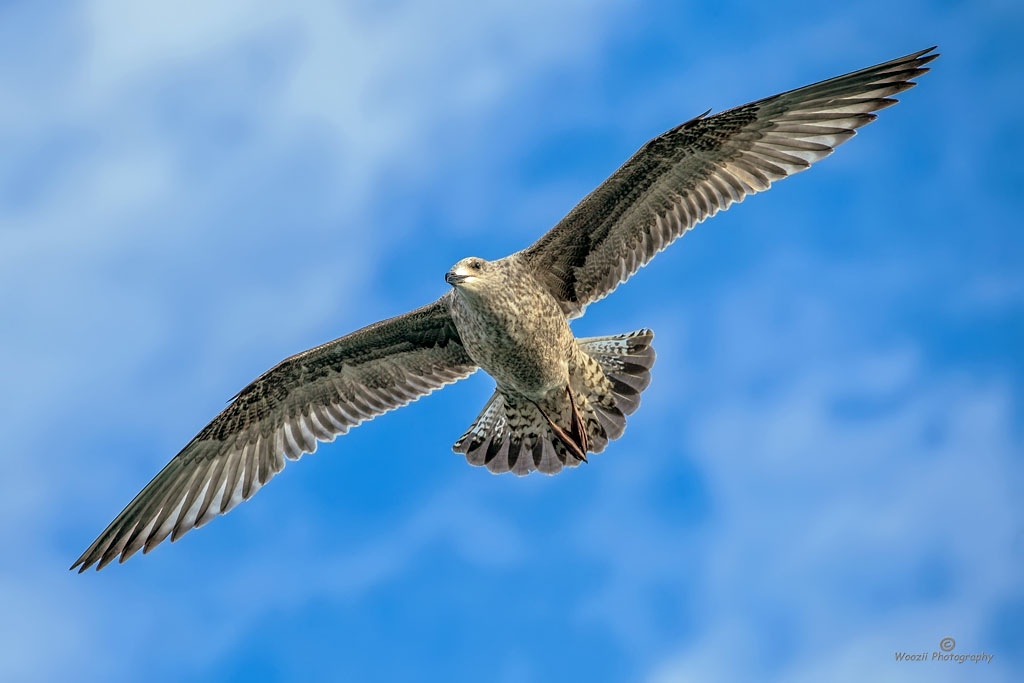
{"points": [[557, 397], [689, 173]]}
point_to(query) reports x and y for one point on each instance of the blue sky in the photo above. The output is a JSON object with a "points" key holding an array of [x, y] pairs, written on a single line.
{"points": [[826, 469]]}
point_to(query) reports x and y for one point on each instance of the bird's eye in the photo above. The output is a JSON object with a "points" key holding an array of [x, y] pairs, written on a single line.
{"points": [[475, 265]]}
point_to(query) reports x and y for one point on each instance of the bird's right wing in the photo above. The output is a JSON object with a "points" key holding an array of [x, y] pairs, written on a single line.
{"points": [[694, 170], [312, 396]]}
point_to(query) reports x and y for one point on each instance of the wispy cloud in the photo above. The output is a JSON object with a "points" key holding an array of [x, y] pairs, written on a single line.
{"points": [[821, 471], [153, 175], [888, 486]]}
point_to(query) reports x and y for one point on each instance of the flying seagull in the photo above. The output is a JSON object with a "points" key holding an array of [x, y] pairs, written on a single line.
{"points": [[558, 398]]}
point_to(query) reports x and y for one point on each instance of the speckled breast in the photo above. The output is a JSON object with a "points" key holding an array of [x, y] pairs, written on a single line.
{"points": [[515, 331]]}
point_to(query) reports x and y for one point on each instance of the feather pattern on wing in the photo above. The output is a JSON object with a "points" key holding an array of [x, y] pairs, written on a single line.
{"points": [[310, 397], [701, 167]]}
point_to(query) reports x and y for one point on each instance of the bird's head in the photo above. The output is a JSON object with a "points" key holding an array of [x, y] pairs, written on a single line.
{"points": [[467, 272]]}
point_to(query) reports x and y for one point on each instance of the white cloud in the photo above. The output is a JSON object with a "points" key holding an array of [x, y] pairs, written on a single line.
{"points": [[395, 94], [893, 516], [108, 258]]}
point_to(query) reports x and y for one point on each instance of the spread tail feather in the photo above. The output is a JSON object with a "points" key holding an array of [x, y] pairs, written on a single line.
{"points": [[513, 434], [626, 360]]}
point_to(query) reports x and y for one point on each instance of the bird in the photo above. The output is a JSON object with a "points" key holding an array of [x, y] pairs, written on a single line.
{"points": [[557, 398]]}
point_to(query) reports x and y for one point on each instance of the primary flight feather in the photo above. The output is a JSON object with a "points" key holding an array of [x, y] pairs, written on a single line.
{"points": [[558, 398]]}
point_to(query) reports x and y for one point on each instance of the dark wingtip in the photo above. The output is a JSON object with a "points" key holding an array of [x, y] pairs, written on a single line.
{"points": [[923, 57], [80, 563]]}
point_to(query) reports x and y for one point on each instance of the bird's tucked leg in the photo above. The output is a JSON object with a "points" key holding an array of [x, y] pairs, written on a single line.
{"points": [[576, 439], [578, 428]]}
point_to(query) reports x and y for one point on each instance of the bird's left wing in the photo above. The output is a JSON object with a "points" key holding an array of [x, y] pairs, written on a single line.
{"points": [[312, 396], [694, 170]]}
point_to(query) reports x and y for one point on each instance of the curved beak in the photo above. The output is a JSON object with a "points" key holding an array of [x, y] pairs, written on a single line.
{"points": [[453, 278]]}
